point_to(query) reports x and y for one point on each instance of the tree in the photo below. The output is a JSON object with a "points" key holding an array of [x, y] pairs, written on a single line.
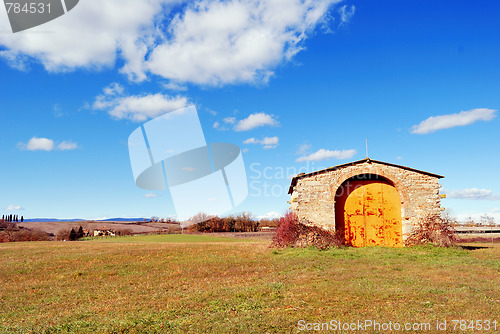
{"points": [[72, 235], [79, 234], [487, 220]]}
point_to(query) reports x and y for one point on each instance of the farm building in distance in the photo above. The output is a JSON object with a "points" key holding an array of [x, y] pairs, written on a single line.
{"points": [[100, 232], [374, 202]]}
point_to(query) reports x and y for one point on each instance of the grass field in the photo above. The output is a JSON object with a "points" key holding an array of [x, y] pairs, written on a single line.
{"points": [[203, 284]]}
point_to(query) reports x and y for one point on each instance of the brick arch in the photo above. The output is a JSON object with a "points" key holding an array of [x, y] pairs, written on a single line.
{"points": [[395, 181], [376, 171]]}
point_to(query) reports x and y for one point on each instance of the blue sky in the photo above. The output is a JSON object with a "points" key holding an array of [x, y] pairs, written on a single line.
{"points": [[298, 85]]}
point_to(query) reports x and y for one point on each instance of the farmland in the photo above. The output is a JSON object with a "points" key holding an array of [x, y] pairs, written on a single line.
{"points": [[200, 283]]}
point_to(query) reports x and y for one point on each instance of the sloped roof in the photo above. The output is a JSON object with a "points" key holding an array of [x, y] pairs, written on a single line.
{"points": [[303, 175]]}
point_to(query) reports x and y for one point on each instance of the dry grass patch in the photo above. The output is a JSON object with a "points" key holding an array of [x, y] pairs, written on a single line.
{"points": [[200, 285]]}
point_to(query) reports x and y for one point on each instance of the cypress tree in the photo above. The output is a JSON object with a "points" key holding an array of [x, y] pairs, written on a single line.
{"points": [[79, 234], [72, 235]]}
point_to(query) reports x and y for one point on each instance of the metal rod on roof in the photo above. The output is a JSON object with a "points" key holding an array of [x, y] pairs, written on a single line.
{"points": [[366, 139]]}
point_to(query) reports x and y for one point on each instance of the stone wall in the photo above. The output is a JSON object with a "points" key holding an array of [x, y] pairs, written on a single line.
{"points": [[313, 196]]}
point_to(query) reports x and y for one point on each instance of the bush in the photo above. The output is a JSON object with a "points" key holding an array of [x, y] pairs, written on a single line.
{"points": [[434, 230], [269, 222], [4, 225], [240, 223], [126, 231], [174, 230], [292, 233], [63, 235], [23, 234]]}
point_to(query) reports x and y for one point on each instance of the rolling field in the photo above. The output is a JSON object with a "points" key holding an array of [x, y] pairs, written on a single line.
{"points": [[202, 284]]}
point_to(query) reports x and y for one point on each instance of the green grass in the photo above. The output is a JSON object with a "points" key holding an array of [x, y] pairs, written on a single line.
{"points": [[204, 284]]}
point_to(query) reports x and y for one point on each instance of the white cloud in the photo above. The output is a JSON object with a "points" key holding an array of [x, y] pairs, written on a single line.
{"points": [[19, 62], [67, 145], [266, 142], [204, 42], [91, 36], [137, 108], [434, 123], [220, 42], [151, 195], [323, 154], [219, 127], [141, 108], [250, 141], [472, 193], [254, 121], [270, 215], [13, 207], [230, 120], [113, 89], [346, 13], [175, 86], [303, 149], [38, 144], [45, 144]]}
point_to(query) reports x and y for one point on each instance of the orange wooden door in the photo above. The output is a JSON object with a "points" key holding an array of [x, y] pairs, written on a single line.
{"points": [[371, 214]]}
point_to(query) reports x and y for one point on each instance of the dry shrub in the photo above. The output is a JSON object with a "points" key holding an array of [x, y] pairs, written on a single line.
{"points": [[125, 231], [32, 235], [4, 225], [23, 234], [269, 222], [239, 223], [4, 237], [287, 231], [174, 230], [432, 229], [292, 233], [63, 235]]}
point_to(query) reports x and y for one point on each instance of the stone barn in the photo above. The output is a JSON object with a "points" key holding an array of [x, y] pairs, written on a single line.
{"points": [[372, 202]]}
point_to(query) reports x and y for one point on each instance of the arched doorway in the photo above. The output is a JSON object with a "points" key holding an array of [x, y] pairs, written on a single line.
{"points": [[368, 209]]}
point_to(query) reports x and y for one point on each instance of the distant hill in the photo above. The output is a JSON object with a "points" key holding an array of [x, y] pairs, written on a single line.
{"points": [[45, 220]]}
